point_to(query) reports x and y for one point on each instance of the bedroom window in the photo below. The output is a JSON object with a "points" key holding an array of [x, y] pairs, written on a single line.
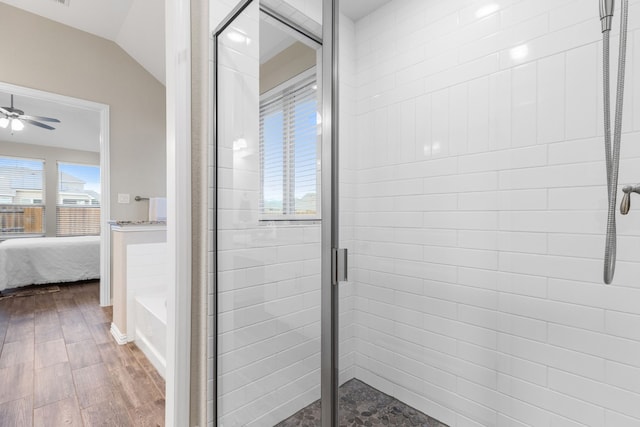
{"points": [[78, 200], [21, 195], [289, 151]]}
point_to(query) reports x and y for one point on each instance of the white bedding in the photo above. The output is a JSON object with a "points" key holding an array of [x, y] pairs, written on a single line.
{"points": [[34, 261]]}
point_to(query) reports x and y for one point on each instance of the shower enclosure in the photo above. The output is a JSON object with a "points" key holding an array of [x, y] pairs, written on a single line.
{"points": [[454, 149]]}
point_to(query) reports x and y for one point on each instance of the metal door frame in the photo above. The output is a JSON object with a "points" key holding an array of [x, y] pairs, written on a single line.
{"points": [[330, 226], [330, 202]]}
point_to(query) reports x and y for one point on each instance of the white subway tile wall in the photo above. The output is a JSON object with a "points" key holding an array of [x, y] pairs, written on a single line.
{"points": [[478, 261]]}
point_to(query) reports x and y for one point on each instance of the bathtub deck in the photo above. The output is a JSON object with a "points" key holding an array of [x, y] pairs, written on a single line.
{"points": [[59, 363]]}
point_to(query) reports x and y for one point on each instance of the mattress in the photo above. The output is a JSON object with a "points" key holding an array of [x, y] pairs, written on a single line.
{"points": [[35, 261]]}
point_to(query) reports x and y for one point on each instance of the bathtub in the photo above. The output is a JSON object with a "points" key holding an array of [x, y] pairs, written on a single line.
{"points": [[151, 329]]}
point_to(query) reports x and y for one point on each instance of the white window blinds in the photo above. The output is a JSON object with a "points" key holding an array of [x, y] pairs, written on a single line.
{"points": [[21, 196], [289, 152]]}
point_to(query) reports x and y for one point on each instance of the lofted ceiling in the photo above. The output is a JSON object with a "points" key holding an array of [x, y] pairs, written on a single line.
{"points": [[137, 26]]}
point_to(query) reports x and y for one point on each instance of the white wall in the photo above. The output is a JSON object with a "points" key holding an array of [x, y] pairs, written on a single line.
{"points": [[480, 215]]}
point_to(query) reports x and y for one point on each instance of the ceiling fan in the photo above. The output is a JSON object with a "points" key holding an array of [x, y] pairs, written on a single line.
{"points": [[17, 118]]}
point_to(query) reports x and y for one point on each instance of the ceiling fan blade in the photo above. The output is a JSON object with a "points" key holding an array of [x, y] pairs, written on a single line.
{"points": [[33, 122], [5, 110], [42, 119]]}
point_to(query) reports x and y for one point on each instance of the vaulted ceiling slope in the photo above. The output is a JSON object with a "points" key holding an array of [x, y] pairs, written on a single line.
{"points": [[137, 26]]}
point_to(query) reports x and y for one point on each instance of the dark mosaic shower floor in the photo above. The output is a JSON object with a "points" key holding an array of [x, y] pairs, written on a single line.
{"points": [[362, 405]]}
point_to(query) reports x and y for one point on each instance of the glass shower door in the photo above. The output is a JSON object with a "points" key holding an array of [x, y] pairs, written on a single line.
{"points": [[267, 239]]}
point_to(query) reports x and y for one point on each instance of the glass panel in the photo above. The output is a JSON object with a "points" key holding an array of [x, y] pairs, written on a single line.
{"points": [[78, 206], [268, 238]]}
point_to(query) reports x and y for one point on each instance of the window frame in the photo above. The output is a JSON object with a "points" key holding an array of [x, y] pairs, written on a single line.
{"points": [[298, 80]]}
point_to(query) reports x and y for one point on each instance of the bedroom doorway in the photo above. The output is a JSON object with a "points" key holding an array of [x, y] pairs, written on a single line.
{"points": [[83, 127]]}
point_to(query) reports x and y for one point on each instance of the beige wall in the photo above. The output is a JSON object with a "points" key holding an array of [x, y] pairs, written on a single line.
{"points": [[51, 155], [56, 58], [287, 64]]}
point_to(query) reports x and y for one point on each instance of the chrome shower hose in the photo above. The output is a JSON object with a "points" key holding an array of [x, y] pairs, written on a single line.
{"points": [[612, 153]]}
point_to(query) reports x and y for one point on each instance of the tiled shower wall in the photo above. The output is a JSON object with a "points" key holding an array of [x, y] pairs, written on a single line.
{"points": [[480, 214]]}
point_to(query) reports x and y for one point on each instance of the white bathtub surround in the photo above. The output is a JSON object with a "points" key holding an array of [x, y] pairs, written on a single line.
{"points": [[147, 284], [146, 276], [480, 210], [139, 263], [151, 329]]}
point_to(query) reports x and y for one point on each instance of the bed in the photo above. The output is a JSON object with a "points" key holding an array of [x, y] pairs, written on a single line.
{"points": [[35, 261]]}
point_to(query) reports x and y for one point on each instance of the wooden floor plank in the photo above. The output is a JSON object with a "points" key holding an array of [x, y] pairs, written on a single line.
{"points": [[148, 415], [158, 381], [83, 354], [151, 371], [95, 315], [3, 331], [68, 318], [47, 326], [16, 353], [44, 302], [5, 310], [20, 329], [50, 353], [64, 301], [91, 377], [22, 307], [133, 384], [76, 332], [114, 353], [17, 413], [52, 384], [62, 413], [16, 382], [97, 395], [86, 300], [110, 413], [101, 332]]}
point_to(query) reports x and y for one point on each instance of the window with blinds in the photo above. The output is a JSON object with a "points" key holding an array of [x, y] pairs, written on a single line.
{"points": [[21, 196], [78, 200], [289, 152]]}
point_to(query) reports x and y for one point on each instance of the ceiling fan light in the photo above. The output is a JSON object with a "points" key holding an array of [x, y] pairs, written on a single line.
{"points": [[4, 122], [16, 125]]}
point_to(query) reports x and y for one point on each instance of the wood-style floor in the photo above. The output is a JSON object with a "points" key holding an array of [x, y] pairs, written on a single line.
{"points": [[59, 365]]}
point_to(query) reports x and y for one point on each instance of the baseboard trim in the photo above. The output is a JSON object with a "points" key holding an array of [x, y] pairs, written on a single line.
{"points": [[117, 335]]}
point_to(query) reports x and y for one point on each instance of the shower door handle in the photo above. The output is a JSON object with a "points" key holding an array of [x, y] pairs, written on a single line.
{"points": [[339, 265]]}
